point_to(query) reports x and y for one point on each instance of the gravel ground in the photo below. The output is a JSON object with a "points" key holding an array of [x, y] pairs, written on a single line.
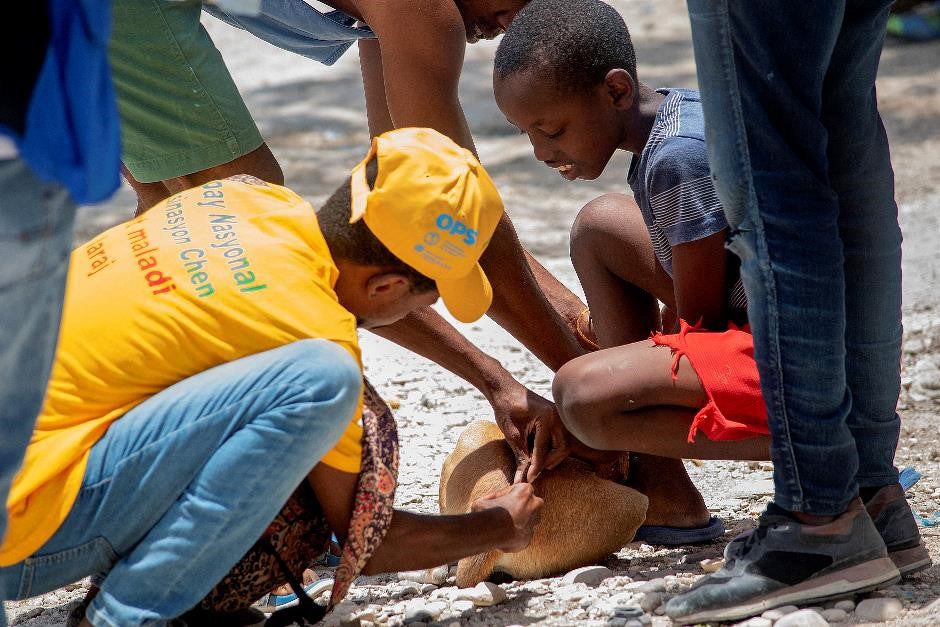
{"points": [[314, 119]]}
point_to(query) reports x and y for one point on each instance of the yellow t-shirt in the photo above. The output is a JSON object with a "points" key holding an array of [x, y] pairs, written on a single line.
{"points": [[216, 273]]}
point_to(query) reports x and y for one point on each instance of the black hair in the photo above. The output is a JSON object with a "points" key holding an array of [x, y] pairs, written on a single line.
{"points": [[574, 43], [355, 242]]}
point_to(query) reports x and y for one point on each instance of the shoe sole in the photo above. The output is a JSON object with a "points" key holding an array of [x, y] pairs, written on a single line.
{"points": [[860, 578], [912, 560]]}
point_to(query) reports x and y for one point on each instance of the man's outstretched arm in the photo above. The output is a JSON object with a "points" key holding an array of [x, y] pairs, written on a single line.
{"points": [[504, 520], [521, 414]]}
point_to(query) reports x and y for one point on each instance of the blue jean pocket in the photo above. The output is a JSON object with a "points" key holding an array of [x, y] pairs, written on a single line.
{"points": [[43, 573]]}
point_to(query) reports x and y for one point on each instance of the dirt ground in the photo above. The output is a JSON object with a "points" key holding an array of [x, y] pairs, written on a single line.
{"points": [[315, 123]]}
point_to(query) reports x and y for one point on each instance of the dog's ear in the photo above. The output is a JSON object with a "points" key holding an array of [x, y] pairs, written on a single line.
{"points": [[474, 569]]}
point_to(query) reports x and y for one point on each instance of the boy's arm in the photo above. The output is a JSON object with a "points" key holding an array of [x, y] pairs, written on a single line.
{"points": [[685, 205], [519, 412], [700, 280], [503, 521]]}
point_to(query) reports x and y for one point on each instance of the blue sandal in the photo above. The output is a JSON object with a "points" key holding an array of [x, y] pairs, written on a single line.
{"points": [[272, 602], [678, 536]]}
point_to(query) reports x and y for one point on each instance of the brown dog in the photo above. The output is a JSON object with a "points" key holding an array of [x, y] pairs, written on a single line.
{"points": [[584, 518]]}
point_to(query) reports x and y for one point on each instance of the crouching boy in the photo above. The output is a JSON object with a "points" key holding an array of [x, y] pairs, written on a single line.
{"points": [[208, 362]]}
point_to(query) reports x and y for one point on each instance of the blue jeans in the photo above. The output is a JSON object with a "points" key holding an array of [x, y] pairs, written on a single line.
{"points": [[35, 240], [800, 159], [180, 487]]}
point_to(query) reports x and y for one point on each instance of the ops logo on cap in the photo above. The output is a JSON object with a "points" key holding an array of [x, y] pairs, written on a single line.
{"points": [[446, 222]]}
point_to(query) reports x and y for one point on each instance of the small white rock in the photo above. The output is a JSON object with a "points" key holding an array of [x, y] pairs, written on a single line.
{"points": [[484, 594], [571, 593], [847, 605], [463, 605], [835, 615], [588, 575], [802, 618], [356, 619], [416, 615], [531, 603], [757, 621], [437, 576], [625, 598], [875, 610], [650, 601]]}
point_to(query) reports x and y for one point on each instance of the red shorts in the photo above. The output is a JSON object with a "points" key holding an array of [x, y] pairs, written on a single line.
{"points": [[724, 361]]}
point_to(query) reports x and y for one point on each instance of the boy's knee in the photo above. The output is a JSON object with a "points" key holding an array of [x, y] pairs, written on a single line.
{"points": [[595, 220], [577, 406]]}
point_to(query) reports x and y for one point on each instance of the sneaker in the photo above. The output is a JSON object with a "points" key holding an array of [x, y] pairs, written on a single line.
{"points": [[894, 520], [785, 562]]}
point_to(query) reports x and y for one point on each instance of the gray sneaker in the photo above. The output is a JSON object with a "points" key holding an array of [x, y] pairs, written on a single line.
{"points": [[895, 522], [784, 562]]}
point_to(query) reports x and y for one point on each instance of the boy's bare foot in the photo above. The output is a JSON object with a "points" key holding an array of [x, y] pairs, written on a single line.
{"points": [[674, 499]]}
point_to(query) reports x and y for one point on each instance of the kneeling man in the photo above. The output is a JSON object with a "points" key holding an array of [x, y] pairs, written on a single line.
{"points": [[208, 362]]}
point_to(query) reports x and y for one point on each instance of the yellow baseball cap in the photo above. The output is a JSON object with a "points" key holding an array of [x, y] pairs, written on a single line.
{"points": [[435, 208]]}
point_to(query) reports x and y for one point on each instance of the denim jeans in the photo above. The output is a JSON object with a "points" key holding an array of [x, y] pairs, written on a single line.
{"points": [[180, 487], [800, 159], [35, 239]]}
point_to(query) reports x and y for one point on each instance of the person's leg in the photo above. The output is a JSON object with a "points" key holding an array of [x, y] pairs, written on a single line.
{"points": [[622, 290], [36, 237], [625, 398], [861, 173], [771, 170], [613, 256], [762, 92], [181, 487], [181, 113]]}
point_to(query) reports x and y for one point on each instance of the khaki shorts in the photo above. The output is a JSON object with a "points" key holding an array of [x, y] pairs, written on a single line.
{"points": [[180, 109]]}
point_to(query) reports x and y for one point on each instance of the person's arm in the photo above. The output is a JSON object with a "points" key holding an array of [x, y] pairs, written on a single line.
{"points": [[411, 74], [685, 206], [504, 520], [699, 278], [520, 413]]}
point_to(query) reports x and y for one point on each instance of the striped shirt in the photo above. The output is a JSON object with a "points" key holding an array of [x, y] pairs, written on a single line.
{"points": [[672, 184]]}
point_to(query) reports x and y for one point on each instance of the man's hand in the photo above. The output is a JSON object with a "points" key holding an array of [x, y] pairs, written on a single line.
{"points": [[532, 428], [524, 509]]}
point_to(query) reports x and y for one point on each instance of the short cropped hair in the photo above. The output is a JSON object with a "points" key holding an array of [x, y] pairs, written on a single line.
{"points": [[575, 43], [355, 242]]}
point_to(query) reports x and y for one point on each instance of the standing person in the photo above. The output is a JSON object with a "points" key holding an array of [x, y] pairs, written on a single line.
{"points": [[801, 162], [184, 122], [58, 146]]}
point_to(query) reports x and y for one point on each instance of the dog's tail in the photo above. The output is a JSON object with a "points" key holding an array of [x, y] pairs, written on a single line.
{"points": [[474, 569]]}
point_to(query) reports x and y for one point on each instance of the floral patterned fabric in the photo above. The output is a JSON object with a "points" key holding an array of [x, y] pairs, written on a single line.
{"points": [[300, 533]]}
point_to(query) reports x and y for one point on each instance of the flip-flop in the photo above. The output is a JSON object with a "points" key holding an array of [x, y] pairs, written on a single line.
{"points": [[678, 536]]}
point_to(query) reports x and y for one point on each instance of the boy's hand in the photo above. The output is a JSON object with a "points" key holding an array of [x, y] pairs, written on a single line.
{"points": [[532, 428], [524, 509]]}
